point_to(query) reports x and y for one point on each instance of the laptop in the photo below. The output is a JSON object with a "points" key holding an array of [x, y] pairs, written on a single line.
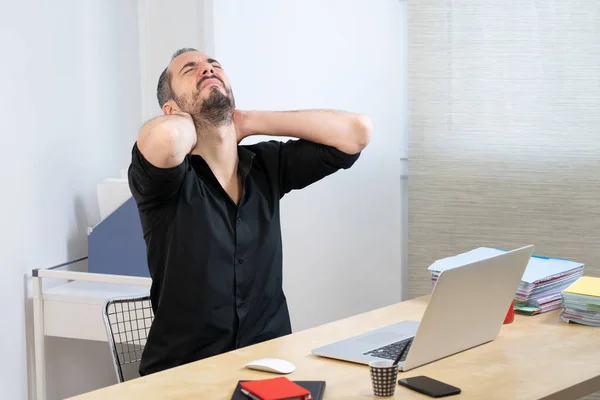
{"points": [[466, 309]]}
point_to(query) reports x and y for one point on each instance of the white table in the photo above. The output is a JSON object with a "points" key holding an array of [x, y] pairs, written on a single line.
{"points": [[74, 309]]}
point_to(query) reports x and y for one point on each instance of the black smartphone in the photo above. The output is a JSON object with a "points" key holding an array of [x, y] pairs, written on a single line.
{"points": [[429, 386]]}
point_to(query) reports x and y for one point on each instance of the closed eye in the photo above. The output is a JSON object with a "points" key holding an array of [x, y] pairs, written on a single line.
{"points": [[214, 63], [191, 65]]}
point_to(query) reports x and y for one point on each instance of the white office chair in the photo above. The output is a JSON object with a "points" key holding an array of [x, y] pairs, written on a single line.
{"points": [[127, 321]]}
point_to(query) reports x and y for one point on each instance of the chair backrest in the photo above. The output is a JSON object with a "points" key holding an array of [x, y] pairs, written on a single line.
{"points": [[127, 321]]}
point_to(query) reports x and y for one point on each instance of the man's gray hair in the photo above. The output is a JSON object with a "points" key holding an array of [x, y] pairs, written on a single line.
{"points": [[163, 91]]}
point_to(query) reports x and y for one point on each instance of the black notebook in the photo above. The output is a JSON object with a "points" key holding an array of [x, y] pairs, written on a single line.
{"points": [[316, 389]]}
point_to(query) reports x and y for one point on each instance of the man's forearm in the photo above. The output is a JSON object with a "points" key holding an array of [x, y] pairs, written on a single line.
{"points": [[165, 140], [345, 131]]}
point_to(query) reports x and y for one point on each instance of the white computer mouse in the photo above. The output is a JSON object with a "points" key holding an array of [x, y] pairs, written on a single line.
{"points": [[275, 365]]}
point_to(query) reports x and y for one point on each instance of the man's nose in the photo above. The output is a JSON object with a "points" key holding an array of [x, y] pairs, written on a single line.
{"points": [[206, 69]]}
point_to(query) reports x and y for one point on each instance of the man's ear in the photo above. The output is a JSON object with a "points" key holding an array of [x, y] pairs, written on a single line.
{"points": [[170, 107]]}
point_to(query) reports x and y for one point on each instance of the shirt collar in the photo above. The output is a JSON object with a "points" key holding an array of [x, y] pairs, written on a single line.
{"points": [[245, 156]]}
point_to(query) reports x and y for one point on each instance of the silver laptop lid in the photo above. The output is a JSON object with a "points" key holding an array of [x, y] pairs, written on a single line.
{"points": [[467, 306]]}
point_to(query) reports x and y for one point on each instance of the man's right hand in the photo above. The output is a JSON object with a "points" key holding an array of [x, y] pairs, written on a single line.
{"points": [[166, 140], [239, 119]]}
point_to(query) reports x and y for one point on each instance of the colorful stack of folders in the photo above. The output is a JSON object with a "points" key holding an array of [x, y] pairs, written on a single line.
{"points": [[581, 302], [541, 285]]}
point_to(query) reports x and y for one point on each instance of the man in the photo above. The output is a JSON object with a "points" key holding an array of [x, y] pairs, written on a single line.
{"points": [[209, 208]]}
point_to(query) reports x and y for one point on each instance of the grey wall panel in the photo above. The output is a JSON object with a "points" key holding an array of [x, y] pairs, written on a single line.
{"points": [[503, 130]]}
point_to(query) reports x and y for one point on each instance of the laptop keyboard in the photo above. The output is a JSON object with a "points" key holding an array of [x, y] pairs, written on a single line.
{"points": [[391, 351]]}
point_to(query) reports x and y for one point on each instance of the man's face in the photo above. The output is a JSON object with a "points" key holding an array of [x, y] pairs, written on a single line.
{"points": [[201, 89]]}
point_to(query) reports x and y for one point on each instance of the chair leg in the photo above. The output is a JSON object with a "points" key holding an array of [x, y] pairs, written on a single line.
{"points": [[112, 344]]}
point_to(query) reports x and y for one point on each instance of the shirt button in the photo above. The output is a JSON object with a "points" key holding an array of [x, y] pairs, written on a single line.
{"points": [[240, 261], [239, 218]]}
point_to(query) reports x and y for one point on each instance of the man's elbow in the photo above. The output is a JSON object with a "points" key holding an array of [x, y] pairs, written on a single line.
{"points": [[159, 145], [363, 130]]}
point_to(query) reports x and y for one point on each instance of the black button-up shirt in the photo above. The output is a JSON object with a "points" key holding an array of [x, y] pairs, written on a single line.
{"points": [[216, 267]]}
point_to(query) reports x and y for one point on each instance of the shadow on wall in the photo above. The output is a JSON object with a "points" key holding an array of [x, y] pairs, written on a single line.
{"points": [[74, 361], [77, 242]]}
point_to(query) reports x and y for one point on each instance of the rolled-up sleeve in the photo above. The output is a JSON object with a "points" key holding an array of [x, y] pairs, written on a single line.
{"points": [[303, 162], [151, 185]]}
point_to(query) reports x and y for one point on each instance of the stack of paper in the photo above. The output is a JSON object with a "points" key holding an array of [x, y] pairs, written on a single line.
{"points": [[477, 254], [541, 285], [581, 302]]}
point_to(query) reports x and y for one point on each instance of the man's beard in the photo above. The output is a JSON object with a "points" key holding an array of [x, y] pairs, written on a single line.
{"points": [[216, 110]]}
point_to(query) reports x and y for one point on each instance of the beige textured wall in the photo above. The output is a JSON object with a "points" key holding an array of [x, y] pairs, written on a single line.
{"points": [[504, 129]]}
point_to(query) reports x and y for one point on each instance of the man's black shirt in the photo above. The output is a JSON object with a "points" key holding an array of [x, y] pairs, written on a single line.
{"points": [[216, 267]]}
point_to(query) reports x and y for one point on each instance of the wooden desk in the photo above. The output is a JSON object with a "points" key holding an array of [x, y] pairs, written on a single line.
{"points": [[533, 358]]}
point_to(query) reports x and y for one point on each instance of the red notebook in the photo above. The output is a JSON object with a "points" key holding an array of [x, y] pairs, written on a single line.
{"points": [[280, 388]]}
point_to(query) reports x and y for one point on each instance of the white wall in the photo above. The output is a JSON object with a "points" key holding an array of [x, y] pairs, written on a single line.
{"points": [[343, 235], [74, 93], [164, 27], [70, 110]]}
